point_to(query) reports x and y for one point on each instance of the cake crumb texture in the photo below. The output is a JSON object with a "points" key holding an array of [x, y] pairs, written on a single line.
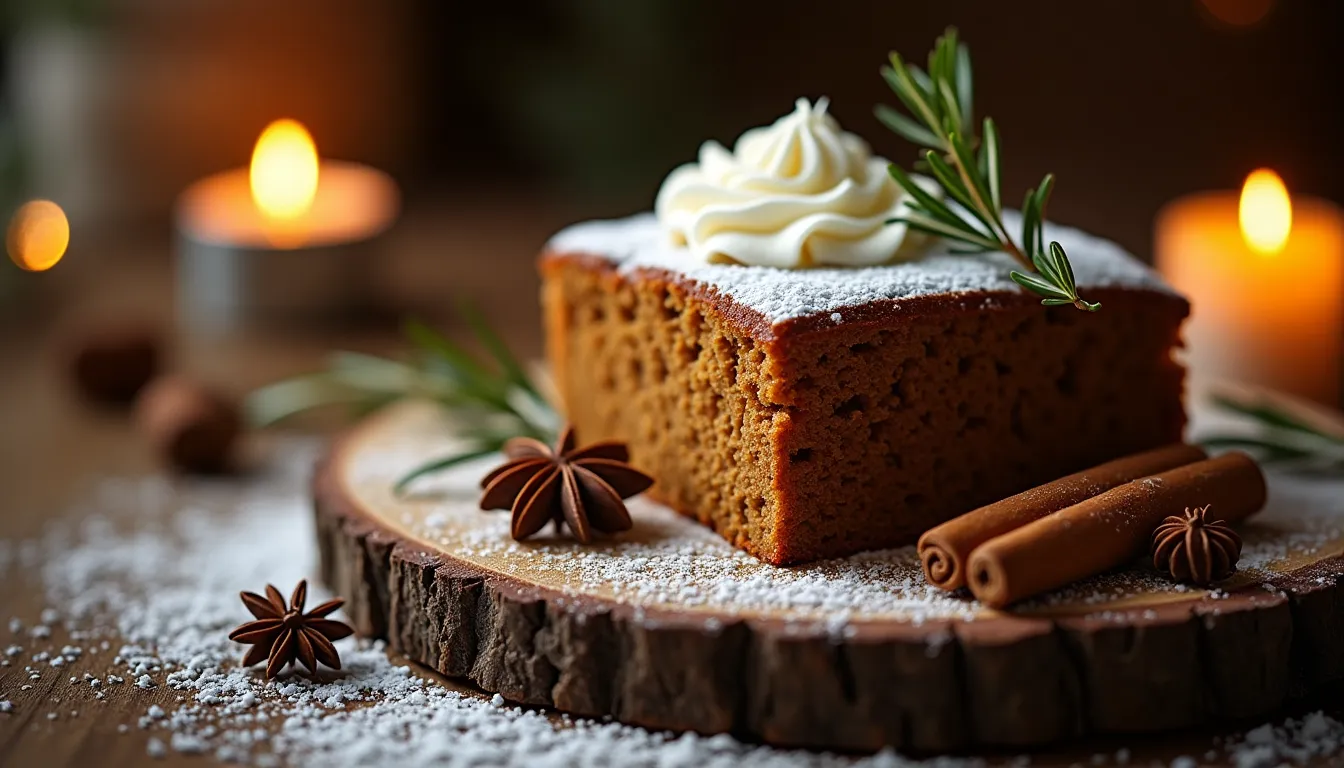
{"points": [[859, 435]]}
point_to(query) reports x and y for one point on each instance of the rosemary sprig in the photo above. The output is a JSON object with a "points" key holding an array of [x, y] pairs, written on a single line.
{"points": [[940, 101], [1280, 436], [491, 401]]}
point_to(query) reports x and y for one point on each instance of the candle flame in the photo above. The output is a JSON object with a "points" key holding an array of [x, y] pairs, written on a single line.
{"points": [[1265, 213], [38, 235], [284, 170]]}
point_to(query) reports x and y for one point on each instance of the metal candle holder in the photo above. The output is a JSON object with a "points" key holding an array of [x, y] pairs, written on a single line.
{"points": [[236, 269]]}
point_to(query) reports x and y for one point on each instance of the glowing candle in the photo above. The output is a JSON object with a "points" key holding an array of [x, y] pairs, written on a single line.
{"points": [[1264, 273], [284, 238]]}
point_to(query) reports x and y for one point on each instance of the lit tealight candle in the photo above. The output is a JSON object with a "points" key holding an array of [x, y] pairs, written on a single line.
{"points": [[1264, 273], [286, 238]]}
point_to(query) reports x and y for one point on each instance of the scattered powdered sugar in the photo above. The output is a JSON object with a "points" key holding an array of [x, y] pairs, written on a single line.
{"points": [[156, 566], [160, 567], [1296, 741], [668, 561], [785, 294], [1304, 517]]}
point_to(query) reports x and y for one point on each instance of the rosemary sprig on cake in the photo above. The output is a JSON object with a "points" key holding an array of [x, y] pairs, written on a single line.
{"points": [[490, 400], [969, 169]]}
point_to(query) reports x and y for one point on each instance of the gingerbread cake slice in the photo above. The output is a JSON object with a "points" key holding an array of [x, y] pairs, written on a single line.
{"points": [[814, 413]]}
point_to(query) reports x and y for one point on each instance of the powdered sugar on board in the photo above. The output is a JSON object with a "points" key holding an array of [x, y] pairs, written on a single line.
{"points": [[786, 294], [159, 566], [670, 562], [141, 583]]}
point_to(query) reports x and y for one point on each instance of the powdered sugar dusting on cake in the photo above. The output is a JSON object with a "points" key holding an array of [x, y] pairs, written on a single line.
{"points": [[787, 294]]}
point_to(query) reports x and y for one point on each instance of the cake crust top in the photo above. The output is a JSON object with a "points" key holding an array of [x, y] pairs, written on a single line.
{"points": [[780, 296]]}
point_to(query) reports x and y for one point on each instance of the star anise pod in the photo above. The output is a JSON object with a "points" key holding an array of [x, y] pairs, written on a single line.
{"points": [[581, 488], [1195, 549], [285, 635]]}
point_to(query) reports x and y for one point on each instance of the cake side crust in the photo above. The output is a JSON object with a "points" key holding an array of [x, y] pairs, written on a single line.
{"points": [[808, 440]]}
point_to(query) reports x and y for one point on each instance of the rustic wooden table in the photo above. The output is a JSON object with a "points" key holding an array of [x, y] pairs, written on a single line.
{"points": [[53, 447]]}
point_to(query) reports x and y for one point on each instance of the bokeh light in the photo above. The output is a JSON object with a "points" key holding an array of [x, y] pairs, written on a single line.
{"points": [[1238, 13], [38, 235]]}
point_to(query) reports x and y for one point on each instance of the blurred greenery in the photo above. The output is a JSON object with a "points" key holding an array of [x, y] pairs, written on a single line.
{"points": [[606, 105], [12, 189], [17, 13], [11, 166]]}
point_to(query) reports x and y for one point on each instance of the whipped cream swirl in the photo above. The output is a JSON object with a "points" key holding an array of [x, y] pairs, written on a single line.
{"points": [[799, 193]]}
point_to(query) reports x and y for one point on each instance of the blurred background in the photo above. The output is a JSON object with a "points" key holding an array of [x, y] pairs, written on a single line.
{"points": [[501, 122]]}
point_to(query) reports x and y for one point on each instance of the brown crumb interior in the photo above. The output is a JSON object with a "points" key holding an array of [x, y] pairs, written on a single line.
{"points": [[862, 435]]}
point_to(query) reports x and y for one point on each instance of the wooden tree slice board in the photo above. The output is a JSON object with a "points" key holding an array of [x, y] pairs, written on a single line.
{"points": [[667, 626]]}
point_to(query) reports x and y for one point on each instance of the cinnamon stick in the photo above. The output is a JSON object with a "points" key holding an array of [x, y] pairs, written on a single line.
{"points": [[1111, 529], [944, 549]]}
